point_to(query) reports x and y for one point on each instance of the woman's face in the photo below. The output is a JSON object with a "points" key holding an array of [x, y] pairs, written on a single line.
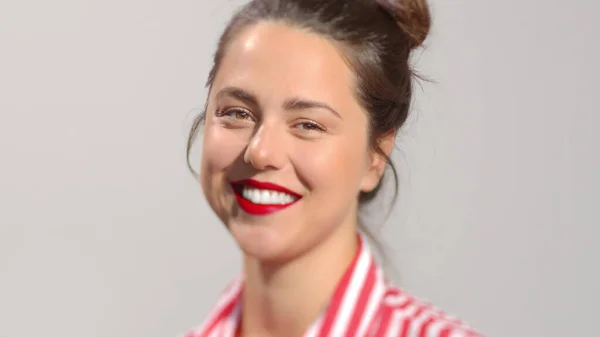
{"points": [[285, 151]]}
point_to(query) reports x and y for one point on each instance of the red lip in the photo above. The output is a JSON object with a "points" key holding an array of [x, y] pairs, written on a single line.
{"points": [[259, 209], [265, 186]]}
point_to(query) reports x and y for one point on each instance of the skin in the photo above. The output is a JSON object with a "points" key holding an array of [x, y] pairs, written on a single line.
{"points": [[259, 126]]}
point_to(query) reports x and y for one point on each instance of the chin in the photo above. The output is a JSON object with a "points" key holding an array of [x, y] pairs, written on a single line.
{"points": [[265, 253], [262, 242]]}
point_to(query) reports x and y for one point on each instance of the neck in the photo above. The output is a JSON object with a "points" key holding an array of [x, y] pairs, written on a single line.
{"points": [[284, 299]]}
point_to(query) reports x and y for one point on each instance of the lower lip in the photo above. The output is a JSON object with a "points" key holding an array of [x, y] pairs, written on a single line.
{"points": [[257, 209]]}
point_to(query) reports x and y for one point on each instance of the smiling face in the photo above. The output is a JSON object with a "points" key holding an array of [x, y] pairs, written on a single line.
{"points": [[286, 146]]}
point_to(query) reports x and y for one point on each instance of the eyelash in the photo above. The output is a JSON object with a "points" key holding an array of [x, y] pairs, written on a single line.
{"points": [[229, 113], [314, 126]]}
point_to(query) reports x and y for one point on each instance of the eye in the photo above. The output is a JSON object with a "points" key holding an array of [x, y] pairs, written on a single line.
{"points": [[310, 126], [237, 114]]}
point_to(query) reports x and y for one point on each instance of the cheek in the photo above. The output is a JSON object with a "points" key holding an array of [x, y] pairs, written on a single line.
{"points": [[336, 167], [220, 149]]}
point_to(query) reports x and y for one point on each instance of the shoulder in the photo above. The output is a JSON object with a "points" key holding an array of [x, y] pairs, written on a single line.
{"points": [[404, 315]]}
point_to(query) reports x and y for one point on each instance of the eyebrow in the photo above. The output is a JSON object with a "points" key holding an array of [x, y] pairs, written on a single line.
{"points": [[302, 104], [295, 103], [242, 95]]}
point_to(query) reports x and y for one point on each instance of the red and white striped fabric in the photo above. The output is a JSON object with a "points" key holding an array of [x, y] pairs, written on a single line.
{"points": [[363, 305]]}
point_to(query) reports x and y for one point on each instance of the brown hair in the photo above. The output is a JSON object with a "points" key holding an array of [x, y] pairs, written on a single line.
{"points": [[376, 38]]}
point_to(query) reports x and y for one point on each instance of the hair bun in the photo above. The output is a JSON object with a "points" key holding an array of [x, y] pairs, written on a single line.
{"points": [[412, 16]]}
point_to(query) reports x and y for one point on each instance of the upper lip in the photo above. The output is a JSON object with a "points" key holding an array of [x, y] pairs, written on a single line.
{"points": [[265, 186]]}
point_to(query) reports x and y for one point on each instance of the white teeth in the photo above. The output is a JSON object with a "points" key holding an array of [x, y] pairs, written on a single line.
{"points": [[267, 197]]}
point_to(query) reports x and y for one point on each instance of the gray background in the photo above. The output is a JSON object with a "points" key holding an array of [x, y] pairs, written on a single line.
{"points": [[103, 232]]}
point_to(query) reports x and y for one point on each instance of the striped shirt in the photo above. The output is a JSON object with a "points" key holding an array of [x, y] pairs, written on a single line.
{"points": [[364, 304]]}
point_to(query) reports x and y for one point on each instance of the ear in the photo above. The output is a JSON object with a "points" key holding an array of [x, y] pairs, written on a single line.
{"points": [[377, 163]]}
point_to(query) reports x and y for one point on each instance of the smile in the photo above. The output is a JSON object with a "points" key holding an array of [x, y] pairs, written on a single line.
{"points": [[259, 198]]}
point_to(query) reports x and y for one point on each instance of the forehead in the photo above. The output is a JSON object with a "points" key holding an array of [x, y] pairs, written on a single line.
{"points": [[274, 59]]}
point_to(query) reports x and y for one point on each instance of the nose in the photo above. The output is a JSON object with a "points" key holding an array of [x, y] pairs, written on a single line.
{"points": [[265, 150]]}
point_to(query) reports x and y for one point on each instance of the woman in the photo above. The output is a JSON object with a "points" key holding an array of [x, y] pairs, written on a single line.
{"points": [[306, 97]]}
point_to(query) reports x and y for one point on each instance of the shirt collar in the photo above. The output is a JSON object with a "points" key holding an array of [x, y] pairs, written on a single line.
{"points": [[351, 309]]}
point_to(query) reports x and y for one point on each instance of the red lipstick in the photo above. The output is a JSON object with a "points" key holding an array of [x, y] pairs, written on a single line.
{"points": [[261, 209]]}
